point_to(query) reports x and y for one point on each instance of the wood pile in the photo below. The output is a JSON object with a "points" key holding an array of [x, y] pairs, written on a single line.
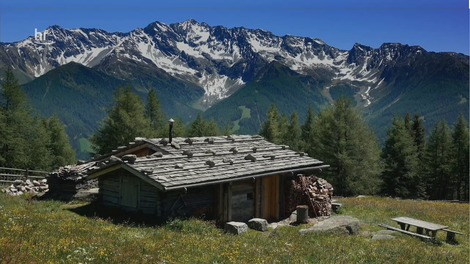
{"points": [[310, 190], [71, 178]]}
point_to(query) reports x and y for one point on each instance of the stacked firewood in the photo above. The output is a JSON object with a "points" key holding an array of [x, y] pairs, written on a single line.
{"points": [[312, 191], [71, 178]]}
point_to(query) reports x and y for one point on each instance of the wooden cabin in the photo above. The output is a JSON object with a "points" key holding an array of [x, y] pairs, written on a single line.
{"points": [[232, 178]]}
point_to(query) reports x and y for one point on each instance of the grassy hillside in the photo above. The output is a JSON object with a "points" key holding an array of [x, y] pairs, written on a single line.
{"points": [[274, 84], [52, 232]]}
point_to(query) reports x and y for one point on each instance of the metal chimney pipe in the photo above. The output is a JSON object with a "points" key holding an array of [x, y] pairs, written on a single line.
{"points": [[170, 136]]}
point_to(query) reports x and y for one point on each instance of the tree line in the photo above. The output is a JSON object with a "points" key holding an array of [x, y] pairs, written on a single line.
{"points": [[28, 141], [129, 117], [409, 165]]}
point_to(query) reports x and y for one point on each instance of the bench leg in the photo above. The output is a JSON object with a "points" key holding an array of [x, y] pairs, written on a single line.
{"points": [[450, 237], [402, 225], [419, 230]]}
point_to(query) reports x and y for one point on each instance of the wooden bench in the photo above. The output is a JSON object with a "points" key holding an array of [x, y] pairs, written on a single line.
{"points": [[424, 237], [451, 235]]}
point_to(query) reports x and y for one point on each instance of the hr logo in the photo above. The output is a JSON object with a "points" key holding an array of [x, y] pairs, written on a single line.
{"points": [[40, 38]]}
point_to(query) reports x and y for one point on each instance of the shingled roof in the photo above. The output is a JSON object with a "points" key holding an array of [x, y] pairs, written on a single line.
{"points": [[187, 162]]}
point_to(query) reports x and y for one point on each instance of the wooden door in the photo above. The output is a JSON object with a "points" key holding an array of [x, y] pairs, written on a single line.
{"points": [[129, 192], [270, 197]]}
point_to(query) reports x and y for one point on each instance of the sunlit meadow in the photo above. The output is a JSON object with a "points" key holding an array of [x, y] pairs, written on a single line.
{"points": [[49, 232]]}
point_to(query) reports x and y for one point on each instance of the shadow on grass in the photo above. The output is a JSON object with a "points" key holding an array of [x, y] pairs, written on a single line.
{"points": [[116, 215]]}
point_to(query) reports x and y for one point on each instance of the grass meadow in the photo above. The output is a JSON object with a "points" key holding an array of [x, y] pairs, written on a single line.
{"points": [[53, 232]]}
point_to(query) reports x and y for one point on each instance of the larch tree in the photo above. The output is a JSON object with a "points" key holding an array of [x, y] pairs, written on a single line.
{"points": [[198, 127], [59, 146], [154, 113], [293, 132], [401, 173], [460, 158], [270, 128], [307, 130], [125, 121], [342, 139], [439, 161]]}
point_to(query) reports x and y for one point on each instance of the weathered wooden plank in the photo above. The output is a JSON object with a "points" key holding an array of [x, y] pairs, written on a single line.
{"points": [[111, 193], [419, 223], [404, 231], [111, 188]]}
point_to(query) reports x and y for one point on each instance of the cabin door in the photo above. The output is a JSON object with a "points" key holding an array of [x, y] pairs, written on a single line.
{"points": [[270, 197], [129, 192]]}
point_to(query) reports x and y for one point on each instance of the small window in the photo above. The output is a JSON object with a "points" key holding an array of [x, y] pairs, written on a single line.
{"points": [[249, 196]]}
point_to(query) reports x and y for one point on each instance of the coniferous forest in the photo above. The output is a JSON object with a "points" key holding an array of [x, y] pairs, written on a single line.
{"points": [[408, 165]]}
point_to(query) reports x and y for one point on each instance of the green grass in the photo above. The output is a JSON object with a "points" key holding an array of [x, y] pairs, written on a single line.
{"points": [[53, 232], [85, 145], [246, 113]]}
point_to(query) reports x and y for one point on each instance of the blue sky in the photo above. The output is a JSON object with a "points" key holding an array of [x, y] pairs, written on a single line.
{"points": [[435, 25]]}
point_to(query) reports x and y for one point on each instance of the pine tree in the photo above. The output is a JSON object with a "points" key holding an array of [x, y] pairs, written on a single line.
{"points": [[155, 114], [408, 121], [307, 130], [198, 127], [270, 127], [283, 129], [212, 129], [179, 128], [293, 132], [438, 156], [460, 158], [59, 145], [400, 158], [3, 135], [125, 121], [40, 156], [419, 136], [342, 139], [18, 123], [227, 130]]}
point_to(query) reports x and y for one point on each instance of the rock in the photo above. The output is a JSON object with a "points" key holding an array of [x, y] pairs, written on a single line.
{"points": [[36, 183], [258, 224], [44, 181], [386, 232], [293, 216], [43, 188], [380, 237], [22, 188], [18, 182], [344, 225], [236, 228], [19, 193], [12, 189], [28, 182], [87, 196], [130, 158]]}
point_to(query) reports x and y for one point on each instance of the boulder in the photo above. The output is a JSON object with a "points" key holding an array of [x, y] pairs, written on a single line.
{"points": [[236, 228], [381, 237], [343, 225], [258, 224]]}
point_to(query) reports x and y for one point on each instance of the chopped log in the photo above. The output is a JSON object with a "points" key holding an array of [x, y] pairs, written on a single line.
{"points": [[302, 214]]}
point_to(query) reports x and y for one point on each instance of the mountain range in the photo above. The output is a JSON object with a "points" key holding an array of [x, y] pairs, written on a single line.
{"points": [[232, 74]]}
